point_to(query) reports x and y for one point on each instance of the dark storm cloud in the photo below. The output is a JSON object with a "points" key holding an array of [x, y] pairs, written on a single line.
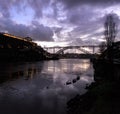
{"points": [[88, 27], [38, 32], [74, 3], [6, 5], [86, 20], [57, 31], [38, 5], [81, 15], [85, 15], [94, 29], [88, 16], [12, 28]]}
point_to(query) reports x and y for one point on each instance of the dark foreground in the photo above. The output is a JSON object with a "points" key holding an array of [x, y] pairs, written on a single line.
{"points": [[102, 98], [42, 87]]}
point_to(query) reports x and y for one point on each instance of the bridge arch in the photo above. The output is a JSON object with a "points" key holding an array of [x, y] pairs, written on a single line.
{"points": [[66, 48]]}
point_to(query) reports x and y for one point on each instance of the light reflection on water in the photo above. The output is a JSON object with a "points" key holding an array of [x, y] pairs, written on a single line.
{"points": [[40, 87]]}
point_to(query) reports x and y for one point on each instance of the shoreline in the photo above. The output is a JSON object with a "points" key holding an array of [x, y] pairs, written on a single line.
{"points": [[101, 98], [103, 95]]}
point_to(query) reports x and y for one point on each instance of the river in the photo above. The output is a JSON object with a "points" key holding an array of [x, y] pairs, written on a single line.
{"points": [[42, 87]]}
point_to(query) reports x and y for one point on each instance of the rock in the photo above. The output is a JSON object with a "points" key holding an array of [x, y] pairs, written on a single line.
{"points": [[74, 80], [78, 77], [68, 82]]}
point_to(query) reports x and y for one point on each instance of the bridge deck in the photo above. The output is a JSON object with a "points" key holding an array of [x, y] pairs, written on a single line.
{"points": [[60, 49]]}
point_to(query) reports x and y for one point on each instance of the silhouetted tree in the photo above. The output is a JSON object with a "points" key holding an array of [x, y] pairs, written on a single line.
{"points": [[110, 34], [110, 29]]}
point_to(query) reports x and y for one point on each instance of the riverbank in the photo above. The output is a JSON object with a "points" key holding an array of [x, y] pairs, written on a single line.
{"points": [[101, 98]]}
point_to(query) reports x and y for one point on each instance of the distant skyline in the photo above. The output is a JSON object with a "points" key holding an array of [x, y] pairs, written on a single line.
{"points": [[58, 22]]}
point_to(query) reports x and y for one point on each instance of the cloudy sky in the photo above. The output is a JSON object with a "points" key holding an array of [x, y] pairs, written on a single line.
{"points": [[58, 22]]}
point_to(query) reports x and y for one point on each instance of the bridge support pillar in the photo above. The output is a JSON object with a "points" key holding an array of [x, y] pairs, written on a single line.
{"points": [[53, 50]]}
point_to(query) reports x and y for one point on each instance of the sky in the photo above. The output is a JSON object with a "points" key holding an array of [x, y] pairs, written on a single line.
{"points": [[58, 22]]}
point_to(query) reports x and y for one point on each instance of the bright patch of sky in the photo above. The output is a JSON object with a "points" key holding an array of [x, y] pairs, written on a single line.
{"points": [[84, 36], [99, 30], [55, 37], [1, 15], [51, 44], [25, 17], [61, 13], [47, 21], [48, 11]]}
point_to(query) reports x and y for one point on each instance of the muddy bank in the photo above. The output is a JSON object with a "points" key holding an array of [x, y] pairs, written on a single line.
{"points": [[102, 96]]}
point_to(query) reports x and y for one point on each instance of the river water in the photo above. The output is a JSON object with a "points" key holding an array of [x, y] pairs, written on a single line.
{"points": [[42, 87]]}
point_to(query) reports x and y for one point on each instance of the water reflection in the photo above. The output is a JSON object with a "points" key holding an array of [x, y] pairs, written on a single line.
{"points": [[41, 87], [10, 71], [63, 66]]}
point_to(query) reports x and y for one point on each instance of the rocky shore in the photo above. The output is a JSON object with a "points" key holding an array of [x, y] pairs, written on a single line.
{"points": [[103, 96]]}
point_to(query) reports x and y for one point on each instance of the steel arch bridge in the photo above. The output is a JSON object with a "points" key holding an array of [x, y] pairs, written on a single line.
{"points": [[60, 50], [66, 48]]}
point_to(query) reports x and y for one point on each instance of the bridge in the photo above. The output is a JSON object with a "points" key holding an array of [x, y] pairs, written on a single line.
{"points": [[86, 49], [14, 47]]}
